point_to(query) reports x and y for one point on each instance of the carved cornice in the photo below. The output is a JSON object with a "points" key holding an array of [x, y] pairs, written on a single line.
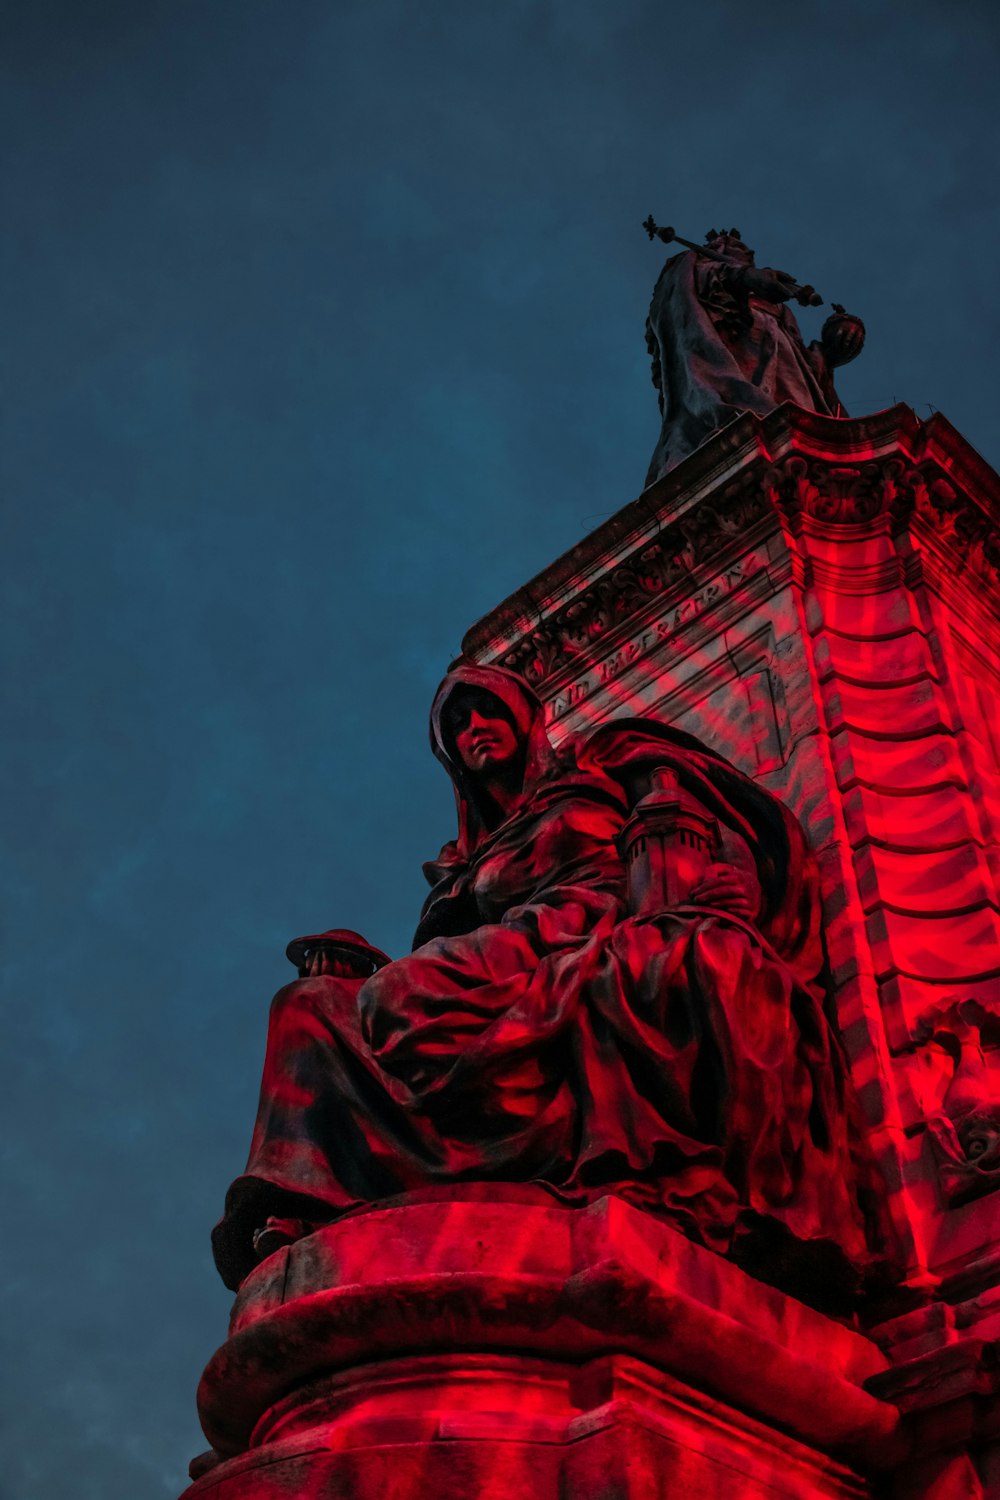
{"points": [[853, 496], [885, 471], [660, 568], [858, 496], [962, 528]]}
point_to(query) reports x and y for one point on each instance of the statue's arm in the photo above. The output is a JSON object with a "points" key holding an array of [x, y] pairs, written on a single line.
{"points": [[761, 281]]}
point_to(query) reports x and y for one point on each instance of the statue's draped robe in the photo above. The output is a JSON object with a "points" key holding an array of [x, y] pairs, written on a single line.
{"points": [[720, 354], [538, 1035]]}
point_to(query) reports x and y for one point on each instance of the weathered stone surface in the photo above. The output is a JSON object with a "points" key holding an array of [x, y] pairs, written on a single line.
{"points": [[577, 1347], [819, 601], [871, 708]]}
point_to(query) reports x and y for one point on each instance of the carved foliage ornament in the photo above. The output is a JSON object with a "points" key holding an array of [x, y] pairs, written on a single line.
{"points": [[838, 494], [857, 495], [659, 567], [965, 1133], [965, 529]]}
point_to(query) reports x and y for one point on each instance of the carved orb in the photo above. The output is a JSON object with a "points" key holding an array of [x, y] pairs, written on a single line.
{"points": [[842, 336]]}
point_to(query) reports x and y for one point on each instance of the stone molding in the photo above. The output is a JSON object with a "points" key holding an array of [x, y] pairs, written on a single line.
{"points": [[545, 1279], [663, 570], [958, 525], [541, 1326], [791, 466], [836, 494]]}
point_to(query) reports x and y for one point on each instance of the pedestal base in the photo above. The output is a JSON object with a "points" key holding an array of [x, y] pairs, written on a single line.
{"points": [[470, 1350]]}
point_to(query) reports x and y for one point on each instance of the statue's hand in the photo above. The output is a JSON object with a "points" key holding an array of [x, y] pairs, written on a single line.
{"points": [[770, 286], [730, 888], [337, 962], [338, 952]]}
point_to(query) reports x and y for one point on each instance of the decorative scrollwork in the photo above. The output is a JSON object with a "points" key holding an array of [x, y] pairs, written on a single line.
{"points": [[835, 493], [653, 570], [887, 491], [968, 532]]}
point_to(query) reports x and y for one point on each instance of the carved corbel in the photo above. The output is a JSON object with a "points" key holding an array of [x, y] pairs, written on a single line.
{"points": [[834, 493], [961, 527], [965, 1132], [535, 657]]}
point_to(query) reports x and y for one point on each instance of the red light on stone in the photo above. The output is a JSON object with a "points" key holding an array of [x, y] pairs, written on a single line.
{"points": [[666, 845], [816, 601]]}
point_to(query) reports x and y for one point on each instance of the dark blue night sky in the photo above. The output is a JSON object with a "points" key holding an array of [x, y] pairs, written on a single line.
{"points": [[323, 332]]}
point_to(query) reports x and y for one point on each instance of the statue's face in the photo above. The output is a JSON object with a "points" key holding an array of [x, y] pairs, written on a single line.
{"points": [[483, 735]]}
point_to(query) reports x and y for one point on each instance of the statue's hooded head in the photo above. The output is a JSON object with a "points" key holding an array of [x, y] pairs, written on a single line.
{"points": [[492, 693], [728, 242]]}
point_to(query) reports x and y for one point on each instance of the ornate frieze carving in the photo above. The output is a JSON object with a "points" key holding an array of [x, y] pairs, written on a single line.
{"points": [[636, 648], [796, 486], [656, 569], [965, 529], [859, 494], [840, 494]]}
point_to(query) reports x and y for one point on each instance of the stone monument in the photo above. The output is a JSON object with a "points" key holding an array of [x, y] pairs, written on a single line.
{"points": [[665, 1164]]}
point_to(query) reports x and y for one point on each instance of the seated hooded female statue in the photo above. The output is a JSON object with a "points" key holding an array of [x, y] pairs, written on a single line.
{"points": [[544, 1042]]}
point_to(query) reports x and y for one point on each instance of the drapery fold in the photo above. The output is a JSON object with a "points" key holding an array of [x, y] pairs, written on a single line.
{"points": [[540, 1035]]}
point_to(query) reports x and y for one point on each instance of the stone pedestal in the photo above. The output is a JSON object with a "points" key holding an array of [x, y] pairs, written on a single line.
{"points": [[473, 1351]]}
